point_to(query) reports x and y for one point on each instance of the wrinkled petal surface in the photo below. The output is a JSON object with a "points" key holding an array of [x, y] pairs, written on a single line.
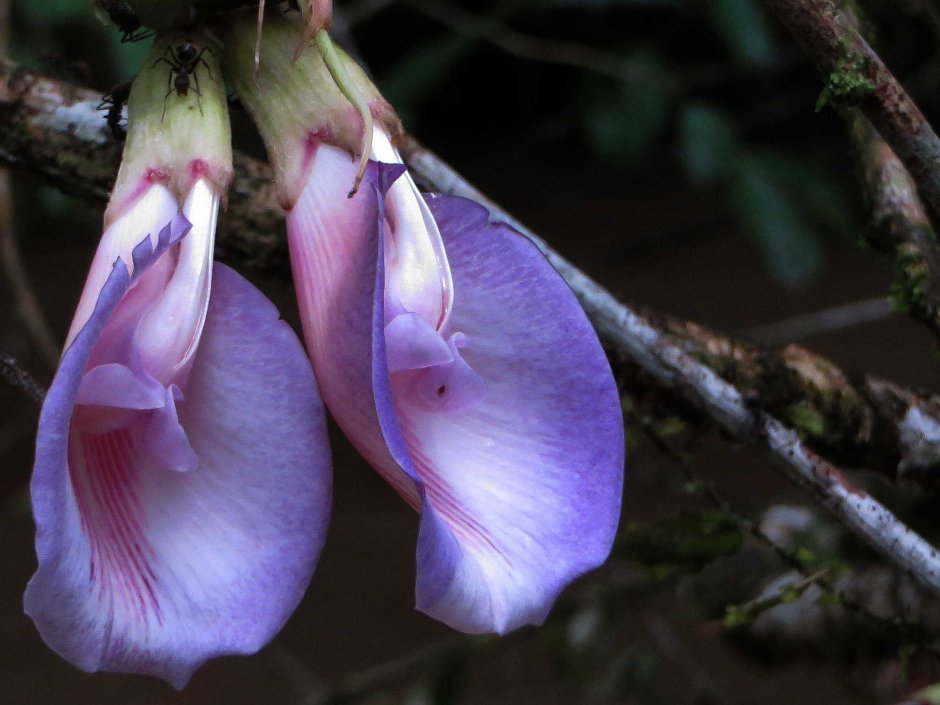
{"points": [[519, 480], [153, 562]]}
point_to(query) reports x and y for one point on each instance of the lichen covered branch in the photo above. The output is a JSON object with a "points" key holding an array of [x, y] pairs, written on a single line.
{"points": [[855, 419], [54, 129]]}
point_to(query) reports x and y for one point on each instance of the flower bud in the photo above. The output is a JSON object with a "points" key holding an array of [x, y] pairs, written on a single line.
{"points": [[178, 157]]}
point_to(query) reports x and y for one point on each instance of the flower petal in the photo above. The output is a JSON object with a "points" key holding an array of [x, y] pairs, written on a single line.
{"points": [[169, 332], [335, 258], [418, 277], [165, 441], [454, 386], [114, 384], [522, 491], [519, 479], [152, 209], [150, 571], [411, 344]]}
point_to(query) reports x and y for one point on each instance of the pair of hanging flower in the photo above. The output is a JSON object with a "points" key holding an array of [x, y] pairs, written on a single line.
{"points": [[182, 482]]}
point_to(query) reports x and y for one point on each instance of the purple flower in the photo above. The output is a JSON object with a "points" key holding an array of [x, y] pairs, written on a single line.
{"points": [[181, 489], [462, 367], [450, 352]]}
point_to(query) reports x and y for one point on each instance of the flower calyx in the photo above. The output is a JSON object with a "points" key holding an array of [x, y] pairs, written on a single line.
{"points": [[337, 106], [178, 127]]}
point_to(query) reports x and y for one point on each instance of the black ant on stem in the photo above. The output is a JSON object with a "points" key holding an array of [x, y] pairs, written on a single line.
{"points": [[114, 103], [123, 15], [183, 61]]}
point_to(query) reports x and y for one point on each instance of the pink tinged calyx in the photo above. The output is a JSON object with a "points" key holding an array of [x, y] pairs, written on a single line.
{"points": [[174, 138]]}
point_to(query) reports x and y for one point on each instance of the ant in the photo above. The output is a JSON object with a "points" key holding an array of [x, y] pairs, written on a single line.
{"points": [[123, 15], [114, 102], [183, 62]]}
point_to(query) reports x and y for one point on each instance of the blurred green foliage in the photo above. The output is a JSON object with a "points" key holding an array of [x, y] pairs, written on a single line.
{"points": [[67, 38], [679, 544], [645, 95], [744, 29]]}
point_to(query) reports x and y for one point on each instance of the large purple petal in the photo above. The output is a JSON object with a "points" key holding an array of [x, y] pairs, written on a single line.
{"points": [[142, 569], [522, 490]]}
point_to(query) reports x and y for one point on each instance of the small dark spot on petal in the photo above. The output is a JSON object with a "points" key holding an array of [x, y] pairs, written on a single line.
{"points": [[442, 390]]}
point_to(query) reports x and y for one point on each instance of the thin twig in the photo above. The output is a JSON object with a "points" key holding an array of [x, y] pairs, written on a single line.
{"points": [[856, 419], [751, 609], [13, 374], [899, 628], [899, 226], [827, 320], [491, 30]]}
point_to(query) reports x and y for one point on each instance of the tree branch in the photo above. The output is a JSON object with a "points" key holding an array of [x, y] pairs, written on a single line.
{"points": [[859, 420], [899, 225], [855, 74], [53, 129]]}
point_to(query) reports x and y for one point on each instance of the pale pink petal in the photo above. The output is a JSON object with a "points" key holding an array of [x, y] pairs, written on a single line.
{"points": [[155, 207], [335, 254]]}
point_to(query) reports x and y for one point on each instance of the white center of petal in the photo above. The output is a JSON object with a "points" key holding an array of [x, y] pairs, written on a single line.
{"points": [[169, 333], [417, 274]]}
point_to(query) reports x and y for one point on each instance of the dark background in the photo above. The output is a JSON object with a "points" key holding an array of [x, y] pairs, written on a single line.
{"points": [[701, 183]]}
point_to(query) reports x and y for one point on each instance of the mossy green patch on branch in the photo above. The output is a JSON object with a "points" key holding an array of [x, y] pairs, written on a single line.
{"points": [[909, 289], [848, 83], [806, 420]]}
